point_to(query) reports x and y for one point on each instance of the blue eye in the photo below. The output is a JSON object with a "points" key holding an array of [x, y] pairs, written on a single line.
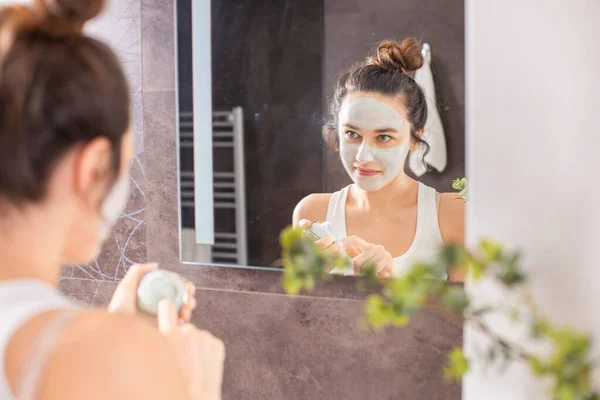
{"points": [[352, 135], [384, 138]]}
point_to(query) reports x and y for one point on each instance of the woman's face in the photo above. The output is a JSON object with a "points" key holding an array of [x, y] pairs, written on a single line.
{"points": [[374, 136]]}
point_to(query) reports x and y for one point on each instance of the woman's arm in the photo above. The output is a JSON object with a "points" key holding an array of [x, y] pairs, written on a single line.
{"points": [[451, 217]]}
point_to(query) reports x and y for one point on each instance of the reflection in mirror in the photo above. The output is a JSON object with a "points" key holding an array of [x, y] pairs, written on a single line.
{"points": [[319, 120]]}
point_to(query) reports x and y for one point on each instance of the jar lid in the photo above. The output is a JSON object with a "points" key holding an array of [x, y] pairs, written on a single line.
{"points": [[158, 285]]}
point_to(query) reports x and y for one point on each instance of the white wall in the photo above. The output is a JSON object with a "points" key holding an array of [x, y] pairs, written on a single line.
{"points": [[533, 102]]}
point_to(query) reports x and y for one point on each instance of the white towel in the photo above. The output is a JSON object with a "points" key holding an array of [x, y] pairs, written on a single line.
{"points": [[434, 130]]}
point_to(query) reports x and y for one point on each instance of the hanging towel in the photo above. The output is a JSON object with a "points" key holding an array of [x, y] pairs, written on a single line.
{"points": [[434, 130]]}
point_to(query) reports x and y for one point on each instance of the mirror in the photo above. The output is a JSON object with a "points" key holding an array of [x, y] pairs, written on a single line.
{"points": [[258, 146]]}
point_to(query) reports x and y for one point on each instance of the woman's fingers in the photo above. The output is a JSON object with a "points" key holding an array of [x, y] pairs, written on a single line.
{"points": [[304, 223], [186, 311], [358, 243], [124, 298], [328, 246], [351, 250], [326, 243], [376, 256], [167, 316], [385, 273]]}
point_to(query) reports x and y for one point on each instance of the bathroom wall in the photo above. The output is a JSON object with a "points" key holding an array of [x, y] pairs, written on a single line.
{"points": [[549, 207], [278, 347], [353, 29]]}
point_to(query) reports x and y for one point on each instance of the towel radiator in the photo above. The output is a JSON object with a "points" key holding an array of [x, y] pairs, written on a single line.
{"points": [[229, 191]]}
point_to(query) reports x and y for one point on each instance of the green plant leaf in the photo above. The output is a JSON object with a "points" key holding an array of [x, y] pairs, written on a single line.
{"points": [[459, 183], [491, 250], [475, 268], [536, 365], [291, 283], [457, 366], [509, 271], [455, 299], [289, 236]]}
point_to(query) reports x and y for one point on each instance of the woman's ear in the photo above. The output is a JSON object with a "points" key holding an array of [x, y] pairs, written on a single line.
{"points": [[93, 167], [415, 144]]}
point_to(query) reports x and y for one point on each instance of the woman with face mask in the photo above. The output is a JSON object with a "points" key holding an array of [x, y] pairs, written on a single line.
{"points": [[385, 218], [65, 148]]}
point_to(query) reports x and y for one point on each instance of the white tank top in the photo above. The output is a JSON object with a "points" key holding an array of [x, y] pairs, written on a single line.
{"points": [[428, 237], [21, 301]]}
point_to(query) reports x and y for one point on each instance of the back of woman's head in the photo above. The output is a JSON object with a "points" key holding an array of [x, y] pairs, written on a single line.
{"points": [[58, 89]]}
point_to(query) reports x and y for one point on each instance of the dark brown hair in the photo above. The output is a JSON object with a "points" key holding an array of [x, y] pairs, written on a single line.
{"points": [[389, 72], [58, 88]]}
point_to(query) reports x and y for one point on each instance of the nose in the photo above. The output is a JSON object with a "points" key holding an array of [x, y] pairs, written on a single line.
{"points": [[364, 154]]}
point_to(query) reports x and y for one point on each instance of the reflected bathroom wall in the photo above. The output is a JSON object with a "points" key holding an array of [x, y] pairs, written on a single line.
{"points": [[267, 58]]}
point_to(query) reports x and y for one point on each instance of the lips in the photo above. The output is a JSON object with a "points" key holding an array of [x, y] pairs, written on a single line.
{"points": [[365, 172]]}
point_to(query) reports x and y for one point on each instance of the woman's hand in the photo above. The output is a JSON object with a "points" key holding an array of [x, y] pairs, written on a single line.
{"points": [[200, 355], [124, 299], [365, 254], [327, 245]]}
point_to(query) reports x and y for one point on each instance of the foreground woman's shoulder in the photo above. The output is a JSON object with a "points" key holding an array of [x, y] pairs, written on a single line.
{"points": [[102, 355]]}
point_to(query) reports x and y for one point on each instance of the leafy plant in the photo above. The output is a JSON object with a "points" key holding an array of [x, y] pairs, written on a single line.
{"points": [[461, 185]]}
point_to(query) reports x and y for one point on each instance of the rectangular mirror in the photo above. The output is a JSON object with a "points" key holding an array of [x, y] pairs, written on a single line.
{"points": [[262, 144]]}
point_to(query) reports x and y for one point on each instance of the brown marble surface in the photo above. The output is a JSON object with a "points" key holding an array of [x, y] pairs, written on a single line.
{"points": [[281, 347]]}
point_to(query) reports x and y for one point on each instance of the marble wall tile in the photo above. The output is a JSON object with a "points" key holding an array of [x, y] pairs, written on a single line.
{"points": [[119, 27], [88, 292], [161, 177], [158, 45], [292, 348], [306, 348], [80, 290]]}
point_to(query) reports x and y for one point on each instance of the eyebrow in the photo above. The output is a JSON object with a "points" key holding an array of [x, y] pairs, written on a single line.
{"points": [[379, 130]]}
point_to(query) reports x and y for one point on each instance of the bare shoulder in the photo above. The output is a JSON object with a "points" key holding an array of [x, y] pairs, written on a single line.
{"points": [[451, 216], [111, 356], [313, 208]]}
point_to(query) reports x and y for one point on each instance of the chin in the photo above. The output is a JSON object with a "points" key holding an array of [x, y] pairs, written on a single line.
{"points": [[368, 186]]}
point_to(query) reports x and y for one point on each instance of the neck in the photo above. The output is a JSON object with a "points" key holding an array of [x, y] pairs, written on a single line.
{"points": [[400, 192], [29, 245]]}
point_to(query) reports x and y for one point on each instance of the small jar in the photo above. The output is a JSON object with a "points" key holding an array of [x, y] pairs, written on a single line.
{"points": [[158, 285]]}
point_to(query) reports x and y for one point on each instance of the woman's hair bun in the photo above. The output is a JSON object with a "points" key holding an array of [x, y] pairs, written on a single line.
{"points": [[70, 11], [50, 17], [393, 56]]}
